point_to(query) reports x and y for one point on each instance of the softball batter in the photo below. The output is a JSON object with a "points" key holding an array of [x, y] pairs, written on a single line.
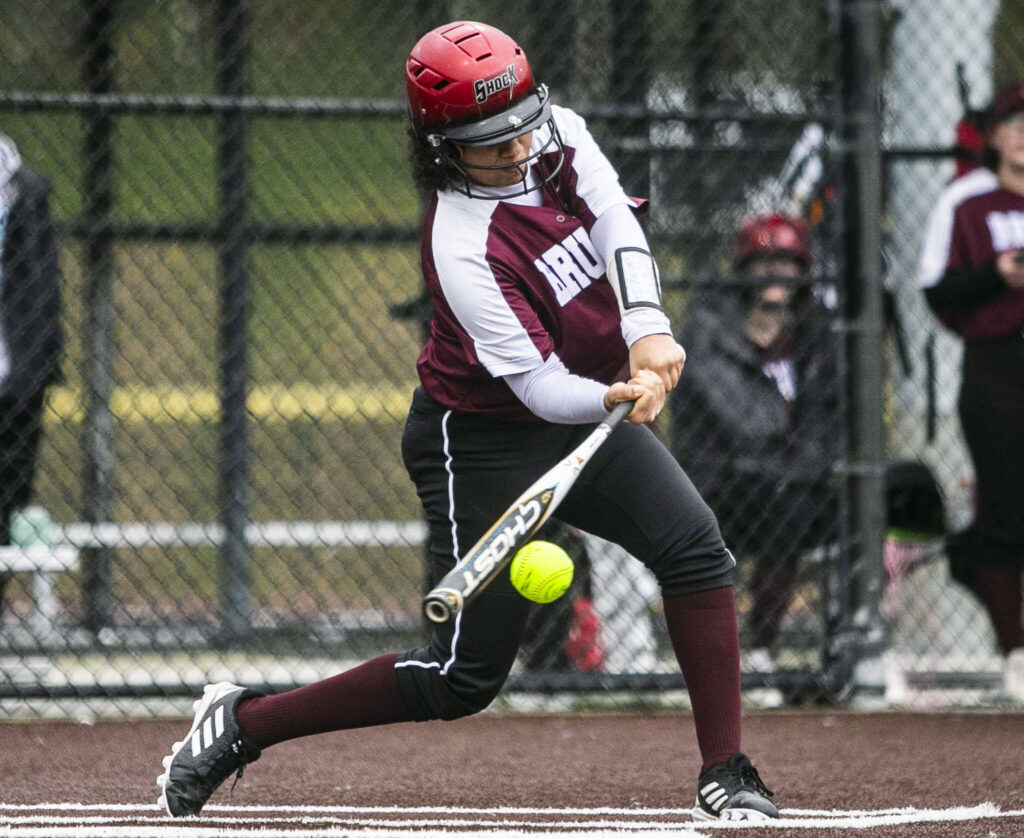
{"points": [[547, 312]]}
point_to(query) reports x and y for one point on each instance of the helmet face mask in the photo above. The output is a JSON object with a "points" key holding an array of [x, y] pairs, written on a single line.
{"points": [[491, 132], [470, 85]]}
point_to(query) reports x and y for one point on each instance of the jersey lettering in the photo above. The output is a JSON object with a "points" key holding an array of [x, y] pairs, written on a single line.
{"points": [[570, 265], [582, 250], [1007, 229]]}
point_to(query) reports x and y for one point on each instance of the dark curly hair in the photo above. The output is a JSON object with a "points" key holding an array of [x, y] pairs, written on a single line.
{"points": [[430, 171]]}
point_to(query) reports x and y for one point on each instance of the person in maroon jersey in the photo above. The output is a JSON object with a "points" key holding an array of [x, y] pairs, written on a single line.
{"points": [[546, 313], [980, 295], [755, 421]]}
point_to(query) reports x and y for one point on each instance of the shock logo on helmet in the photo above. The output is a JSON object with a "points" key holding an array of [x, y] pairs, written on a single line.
{"points": [[484, 89]]}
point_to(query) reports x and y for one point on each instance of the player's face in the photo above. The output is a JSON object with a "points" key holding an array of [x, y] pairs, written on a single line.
{"points": [[496, 165], [1008, 140]]}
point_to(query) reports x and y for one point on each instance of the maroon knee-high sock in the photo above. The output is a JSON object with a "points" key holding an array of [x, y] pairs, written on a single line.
{"points": [[706, 642], [773, 589], [362, 697], [999, 589]]}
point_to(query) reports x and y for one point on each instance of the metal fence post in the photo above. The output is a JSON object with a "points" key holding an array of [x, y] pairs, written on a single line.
{"points": [[630, 84], [98, 373], [705, 57], [552, 54], [232, 44], [860, 36]]}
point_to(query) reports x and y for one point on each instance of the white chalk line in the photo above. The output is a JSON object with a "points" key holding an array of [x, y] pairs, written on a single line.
{"points": [[329, 821], [406, 824], [307, 820], [176, 831]]}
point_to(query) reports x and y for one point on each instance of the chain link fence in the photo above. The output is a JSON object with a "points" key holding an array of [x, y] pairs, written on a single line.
{"points": [[219, 493]]}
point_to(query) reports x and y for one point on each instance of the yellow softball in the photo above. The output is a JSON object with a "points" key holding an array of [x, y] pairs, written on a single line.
{"points": [[541, 571]]}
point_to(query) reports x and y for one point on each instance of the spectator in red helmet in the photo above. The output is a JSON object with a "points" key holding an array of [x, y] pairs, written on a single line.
{"points": [[979, 294], [546, 314], [754, 418]]}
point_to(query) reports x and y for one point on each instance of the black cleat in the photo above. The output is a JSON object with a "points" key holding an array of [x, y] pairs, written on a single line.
{"points": [[733, 792], [214, 748]]}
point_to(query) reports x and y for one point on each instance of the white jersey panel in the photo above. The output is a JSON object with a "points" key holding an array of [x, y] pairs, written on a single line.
{"points": [[597, 181], [461, 227], [935, 251]]}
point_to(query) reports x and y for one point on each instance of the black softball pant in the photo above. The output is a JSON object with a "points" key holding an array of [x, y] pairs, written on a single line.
{"points": [[992, 416], [468, 469], [20, 431]]}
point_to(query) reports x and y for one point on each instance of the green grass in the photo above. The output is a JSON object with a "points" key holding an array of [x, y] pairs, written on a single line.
{"points": [[319, 317]]}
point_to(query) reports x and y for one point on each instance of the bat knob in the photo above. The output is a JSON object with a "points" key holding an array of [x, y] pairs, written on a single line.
{"points": [[441, 606]]}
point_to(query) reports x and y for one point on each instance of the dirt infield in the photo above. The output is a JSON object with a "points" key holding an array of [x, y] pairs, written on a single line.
{"points": [[578, 767]]}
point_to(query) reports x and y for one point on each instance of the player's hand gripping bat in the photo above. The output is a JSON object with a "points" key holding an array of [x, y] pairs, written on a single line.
{"points": [[517, 524]]}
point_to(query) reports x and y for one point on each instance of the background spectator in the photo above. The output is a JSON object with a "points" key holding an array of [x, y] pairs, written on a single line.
{"points": [[753, 415], [980, 296], [31, 340]]}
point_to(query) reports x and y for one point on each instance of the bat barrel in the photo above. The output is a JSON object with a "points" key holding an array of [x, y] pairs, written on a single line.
{"points": [[440, 606]]}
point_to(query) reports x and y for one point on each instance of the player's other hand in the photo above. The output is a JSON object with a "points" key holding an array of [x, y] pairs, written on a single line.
{"points": [[1010, 264], [648, 390], [661, 355]]}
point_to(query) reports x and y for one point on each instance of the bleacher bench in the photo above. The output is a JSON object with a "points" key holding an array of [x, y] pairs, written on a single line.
{"points": [[44, 563]]}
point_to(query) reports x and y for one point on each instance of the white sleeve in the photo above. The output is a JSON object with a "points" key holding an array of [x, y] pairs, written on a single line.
{"points": [[617, 229], [935, 248], [471, 290], [597, 182], [938, 235], [556, 395]]}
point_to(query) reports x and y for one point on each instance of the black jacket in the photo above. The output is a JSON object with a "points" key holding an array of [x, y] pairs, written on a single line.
{"points": [[729, 422], [30, 303]]}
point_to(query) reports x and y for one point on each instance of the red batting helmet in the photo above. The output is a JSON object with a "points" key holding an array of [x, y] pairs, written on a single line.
{"points": [[765, 236], [469, 84]]}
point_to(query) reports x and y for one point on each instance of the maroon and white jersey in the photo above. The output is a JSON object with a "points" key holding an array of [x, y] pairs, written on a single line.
{"points": [[518, 279], [935, 248], [983, 227]]}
